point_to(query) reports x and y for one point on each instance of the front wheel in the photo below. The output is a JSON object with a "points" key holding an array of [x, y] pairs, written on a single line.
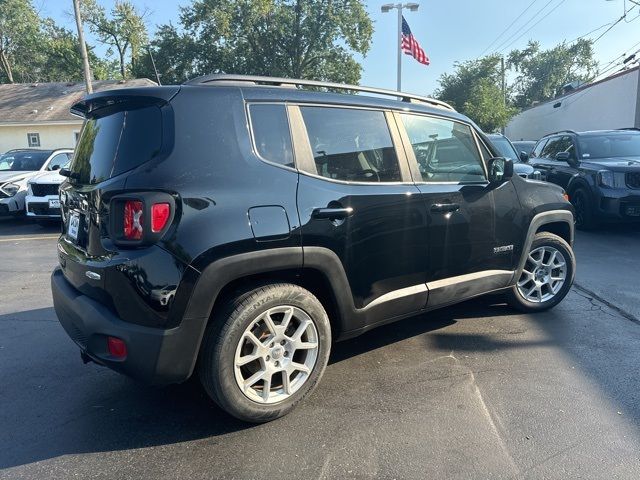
{"points": [[547, 274], [265, 351]]}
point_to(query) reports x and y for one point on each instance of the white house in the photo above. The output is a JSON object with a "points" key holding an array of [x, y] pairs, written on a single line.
{"points": [[611, 103], [37, 114]]}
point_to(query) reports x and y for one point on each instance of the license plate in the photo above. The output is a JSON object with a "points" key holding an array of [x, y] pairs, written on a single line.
{"points": [[54, 203], [74, 225], [633, 211]]}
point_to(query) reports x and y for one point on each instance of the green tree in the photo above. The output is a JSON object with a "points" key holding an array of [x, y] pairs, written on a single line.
{"points": [[20, 39], [123, 30], [314, 39], [542, 73], [61, 57], [475, 89]]}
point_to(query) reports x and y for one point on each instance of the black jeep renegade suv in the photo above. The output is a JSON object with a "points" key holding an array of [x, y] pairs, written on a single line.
{"points": [[236, 227]]}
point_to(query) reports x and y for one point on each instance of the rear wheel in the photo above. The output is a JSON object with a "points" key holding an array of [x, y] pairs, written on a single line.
{"points": [[583, 210], [265, 351], [547, 274]]}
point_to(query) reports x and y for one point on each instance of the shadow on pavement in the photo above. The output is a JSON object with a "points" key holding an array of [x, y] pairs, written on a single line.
{"points": [[18, 226], [54, 406]]}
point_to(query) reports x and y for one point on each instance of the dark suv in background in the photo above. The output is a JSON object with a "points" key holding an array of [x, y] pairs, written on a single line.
{"points": [[600, 170], [236, 227]]}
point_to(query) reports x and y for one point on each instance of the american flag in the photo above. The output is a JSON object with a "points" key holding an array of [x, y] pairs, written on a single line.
{"points": [[410, 45]]}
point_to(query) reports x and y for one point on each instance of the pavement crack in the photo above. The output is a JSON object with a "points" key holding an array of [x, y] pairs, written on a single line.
{"points": [[591, 296]]}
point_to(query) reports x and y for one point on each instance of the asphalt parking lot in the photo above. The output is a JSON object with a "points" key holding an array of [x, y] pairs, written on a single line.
{"points": [[473, 391]]}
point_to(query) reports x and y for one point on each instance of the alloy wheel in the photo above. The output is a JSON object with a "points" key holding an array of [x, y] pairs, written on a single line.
{"points": [[543, 275], [276, 354]]}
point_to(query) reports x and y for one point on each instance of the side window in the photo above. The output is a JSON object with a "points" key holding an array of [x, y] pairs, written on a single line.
{"points": [[351, 145], [557, 145], [57, 162], [445, 150], [271, 135], [537, 151]]}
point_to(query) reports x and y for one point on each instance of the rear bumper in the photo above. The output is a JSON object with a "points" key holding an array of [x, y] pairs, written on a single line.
{"points": [[619, 206], [154, 355]]}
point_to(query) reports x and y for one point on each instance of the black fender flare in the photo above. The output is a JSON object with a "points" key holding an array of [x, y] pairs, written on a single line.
{"points": [[543, 218]]}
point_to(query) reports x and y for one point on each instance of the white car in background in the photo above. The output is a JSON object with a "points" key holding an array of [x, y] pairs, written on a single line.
{"points": [[43, 194], [17, 167]]}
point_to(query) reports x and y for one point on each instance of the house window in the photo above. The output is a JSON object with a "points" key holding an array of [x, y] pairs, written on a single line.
{"points": [[76, 135], [33, 139]]}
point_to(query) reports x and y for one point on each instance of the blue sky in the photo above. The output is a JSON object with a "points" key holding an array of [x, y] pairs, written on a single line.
{"points": [[448, 30]]}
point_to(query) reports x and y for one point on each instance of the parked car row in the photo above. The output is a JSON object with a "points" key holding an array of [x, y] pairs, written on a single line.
{"points": [[30, 182], [600, 171]]}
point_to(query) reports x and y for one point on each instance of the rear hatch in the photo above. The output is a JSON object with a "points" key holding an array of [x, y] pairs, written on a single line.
{"points": [[123, 130]]}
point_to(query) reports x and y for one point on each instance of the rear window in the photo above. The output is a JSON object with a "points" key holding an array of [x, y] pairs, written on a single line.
{"points": [[114, 143]]}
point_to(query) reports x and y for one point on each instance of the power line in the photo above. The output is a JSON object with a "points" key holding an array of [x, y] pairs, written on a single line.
{"points": [[592, 31], [507, 29], [623, 17], [525, 24], [532, 26]]}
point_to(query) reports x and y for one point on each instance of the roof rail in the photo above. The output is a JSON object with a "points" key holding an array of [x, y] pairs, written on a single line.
{"points": [[279, 82], [562, 131], [629, 128]]}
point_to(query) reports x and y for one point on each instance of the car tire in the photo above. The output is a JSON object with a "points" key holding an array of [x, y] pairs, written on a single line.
{"points": [[583, 207], [538, 287], [252, 324]]}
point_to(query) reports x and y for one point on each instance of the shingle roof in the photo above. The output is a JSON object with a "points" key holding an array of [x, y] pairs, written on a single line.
{"points": [[50, 102]]}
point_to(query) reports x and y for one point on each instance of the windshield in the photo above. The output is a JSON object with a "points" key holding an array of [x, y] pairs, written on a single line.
{"points": [[607, 146], [504, 148], [22, 161]]}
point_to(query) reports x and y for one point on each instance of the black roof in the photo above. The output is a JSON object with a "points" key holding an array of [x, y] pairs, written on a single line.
{"points": [[594, 133]]}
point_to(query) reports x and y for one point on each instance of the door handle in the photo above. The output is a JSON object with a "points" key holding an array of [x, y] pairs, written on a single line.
{"points": [[445, 207], [332, 213]]}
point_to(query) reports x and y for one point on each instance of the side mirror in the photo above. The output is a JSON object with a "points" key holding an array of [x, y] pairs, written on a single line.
{"points": [[65, 172], [500, 169], [566, 157], [524, 157]]}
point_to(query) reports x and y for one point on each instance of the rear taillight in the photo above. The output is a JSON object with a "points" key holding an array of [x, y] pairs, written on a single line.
{"points": [[140, 219], [117, 347], [160, 213], [133, 212]]}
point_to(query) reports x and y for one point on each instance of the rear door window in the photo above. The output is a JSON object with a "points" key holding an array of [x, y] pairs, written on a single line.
{"points": [[351, 145], [116, 142]]}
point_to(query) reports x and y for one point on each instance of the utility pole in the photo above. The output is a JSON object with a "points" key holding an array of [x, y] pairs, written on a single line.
{"points": [[504, 89], [399, 6], [83, 47]]}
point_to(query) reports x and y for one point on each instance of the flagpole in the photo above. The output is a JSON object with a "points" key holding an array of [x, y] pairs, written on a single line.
{"points": [[400, 47], [399, 6]]}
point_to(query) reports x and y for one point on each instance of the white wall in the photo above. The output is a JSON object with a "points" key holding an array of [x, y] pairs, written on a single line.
{"points": [[607, 105], [51, 136]]}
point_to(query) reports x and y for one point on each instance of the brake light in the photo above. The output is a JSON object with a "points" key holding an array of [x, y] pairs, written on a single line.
{"points": [[133, 210], [117, 347], [160, 213]]}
